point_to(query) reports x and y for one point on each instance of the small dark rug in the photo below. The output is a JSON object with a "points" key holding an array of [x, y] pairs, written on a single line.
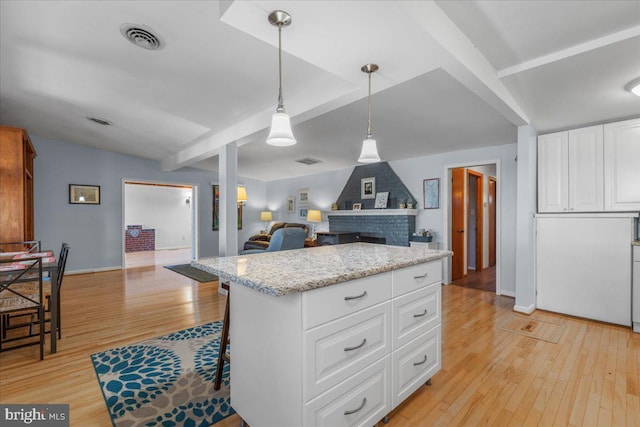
{"points": [[192, 272], [165, 381]]}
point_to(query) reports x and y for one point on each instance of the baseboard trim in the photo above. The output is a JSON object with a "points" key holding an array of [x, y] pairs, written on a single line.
{"points": [[526, 310], [93, 270], [508, 293]]}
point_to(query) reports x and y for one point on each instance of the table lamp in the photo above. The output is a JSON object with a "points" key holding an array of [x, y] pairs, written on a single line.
{"points": [[314, 216], [266, 216]]}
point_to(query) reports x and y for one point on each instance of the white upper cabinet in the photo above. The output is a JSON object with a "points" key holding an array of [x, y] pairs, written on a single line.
{"points": [[586, 192], [553, 172], [592, 169], [622, 166]]}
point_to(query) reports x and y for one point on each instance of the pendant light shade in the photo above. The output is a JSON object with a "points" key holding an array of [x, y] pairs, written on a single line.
{"points": [[281, 134], [369, 153]]}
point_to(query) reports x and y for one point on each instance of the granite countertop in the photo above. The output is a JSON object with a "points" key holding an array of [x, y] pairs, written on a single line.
{"points": [[298, 270], [636, 243]]}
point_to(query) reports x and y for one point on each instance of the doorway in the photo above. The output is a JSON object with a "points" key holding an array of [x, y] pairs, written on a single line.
{"points": [[472, 225], [159, 223]]}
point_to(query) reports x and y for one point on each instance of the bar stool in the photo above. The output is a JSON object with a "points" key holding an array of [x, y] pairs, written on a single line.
{"points": [[224, 341]]}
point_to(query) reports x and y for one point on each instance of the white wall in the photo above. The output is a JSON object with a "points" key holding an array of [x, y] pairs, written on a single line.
{"points": [[326, 187], [163, 209]]}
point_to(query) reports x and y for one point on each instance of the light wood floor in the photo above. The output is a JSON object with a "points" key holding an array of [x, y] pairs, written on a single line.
{"points": [[484, 280], [488, 377], [161, 257]]}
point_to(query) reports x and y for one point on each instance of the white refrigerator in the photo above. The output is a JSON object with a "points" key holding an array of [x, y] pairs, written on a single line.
{"points": [[584, 264]]}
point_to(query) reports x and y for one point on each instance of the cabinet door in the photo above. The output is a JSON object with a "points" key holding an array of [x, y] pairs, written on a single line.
{"points": [[586, 182], [553, 172], [621, 166]]}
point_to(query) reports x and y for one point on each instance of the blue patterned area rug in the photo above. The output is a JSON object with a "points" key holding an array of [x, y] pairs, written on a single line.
{"points": [[165, 381]]}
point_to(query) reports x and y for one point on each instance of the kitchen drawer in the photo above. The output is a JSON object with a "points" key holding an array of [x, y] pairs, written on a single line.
{"points": [[415, 313], [332, 302], [336, 350], [415, 277], [372, 384], [413, 364]]}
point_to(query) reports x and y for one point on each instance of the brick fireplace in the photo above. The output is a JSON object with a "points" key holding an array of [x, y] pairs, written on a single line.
{"points": [[393, 225]]}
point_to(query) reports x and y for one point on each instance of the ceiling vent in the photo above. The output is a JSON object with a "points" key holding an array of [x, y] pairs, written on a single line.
{"points": [[100, 121], [141, 36], [308, 161]]}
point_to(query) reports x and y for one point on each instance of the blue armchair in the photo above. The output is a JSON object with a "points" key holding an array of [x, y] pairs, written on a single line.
{"points": [[282, 240]]}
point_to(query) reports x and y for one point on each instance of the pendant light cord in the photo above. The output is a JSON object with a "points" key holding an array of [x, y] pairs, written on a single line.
{"points": [[369, 108], [280, 108]]}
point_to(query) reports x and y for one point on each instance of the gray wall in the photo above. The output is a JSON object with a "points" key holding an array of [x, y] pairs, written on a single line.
{"points": [[95, 232]]}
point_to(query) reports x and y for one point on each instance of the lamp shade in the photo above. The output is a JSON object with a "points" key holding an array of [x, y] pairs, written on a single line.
{"points": [[314, 216], [281, 134], [369, 152], [266, 216], [242, 194]]}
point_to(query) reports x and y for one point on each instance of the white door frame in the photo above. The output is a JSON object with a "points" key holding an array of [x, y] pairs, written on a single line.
{"points": [[446, 207], [194, 212]]}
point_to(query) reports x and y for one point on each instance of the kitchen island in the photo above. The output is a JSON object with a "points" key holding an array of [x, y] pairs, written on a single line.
{"points": [[332, 335]]}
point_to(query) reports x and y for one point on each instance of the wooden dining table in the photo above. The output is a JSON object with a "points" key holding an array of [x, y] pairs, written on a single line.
{"points": [[49, 265]]}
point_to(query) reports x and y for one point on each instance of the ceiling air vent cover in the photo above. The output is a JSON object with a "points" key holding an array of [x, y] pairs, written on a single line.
{"points": [[308, 161], [141, 36]]}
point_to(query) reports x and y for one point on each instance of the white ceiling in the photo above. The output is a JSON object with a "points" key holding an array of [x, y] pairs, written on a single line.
{"points": [[453, 75]]}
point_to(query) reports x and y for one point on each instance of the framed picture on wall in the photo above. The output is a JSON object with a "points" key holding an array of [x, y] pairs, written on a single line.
{"points": [[291, 204], [382, 199], [216, 209], [304, 197], [84, 194], [357, 206], [368, 188], [302, 214], [431, 188]]}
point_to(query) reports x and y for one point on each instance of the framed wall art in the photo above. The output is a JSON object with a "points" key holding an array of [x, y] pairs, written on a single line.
{"points": [[357, 206], [84, 194], [304, 197], [302, 214], [291, 204], [368, 188], [216, 209], [382, 199], [431, 189]]}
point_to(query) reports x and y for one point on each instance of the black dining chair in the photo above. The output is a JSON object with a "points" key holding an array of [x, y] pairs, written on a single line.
{"points": [[21, 292]]}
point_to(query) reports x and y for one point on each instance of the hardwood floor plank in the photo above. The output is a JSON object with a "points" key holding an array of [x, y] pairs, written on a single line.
{"points": [[489, 377]]}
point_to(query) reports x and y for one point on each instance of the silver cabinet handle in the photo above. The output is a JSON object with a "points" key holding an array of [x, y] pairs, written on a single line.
{"points": [[421, 363], [420, 315], [356, 297], [420, 277], [364, 340], [353, 411]]}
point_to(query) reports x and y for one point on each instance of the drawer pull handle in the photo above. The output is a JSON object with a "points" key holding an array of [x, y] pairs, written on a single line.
{"points": [[353, 411], [364, 341], [421, 363], [356, 297], [420, 277], [420, 315]]}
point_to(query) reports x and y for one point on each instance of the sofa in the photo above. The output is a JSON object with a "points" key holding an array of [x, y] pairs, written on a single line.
{"points": [[261, 241]]}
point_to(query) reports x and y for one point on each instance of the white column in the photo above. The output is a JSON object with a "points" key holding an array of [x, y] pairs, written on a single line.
{"points": [[228, 175], [525, 211]]}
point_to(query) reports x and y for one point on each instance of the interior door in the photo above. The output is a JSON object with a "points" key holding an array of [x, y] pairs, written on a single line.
{"points": [[492, 221], [457, 223], [476, 217]]}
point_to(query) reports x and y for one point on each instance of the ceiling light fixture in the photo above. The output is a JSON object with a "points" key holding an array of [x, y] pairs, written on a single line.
{"points": [[281, 134], [634, 86], [369, 153]]}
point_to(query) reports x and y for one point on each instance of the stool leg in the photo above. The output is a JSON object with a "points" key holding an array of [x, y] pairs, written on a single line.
{"points": [[224, 338]]}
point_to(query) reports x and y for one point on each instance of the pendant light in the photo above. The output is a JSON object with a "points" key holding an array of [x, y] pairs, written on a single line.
{"points": [[281, 134], [369, 153]]}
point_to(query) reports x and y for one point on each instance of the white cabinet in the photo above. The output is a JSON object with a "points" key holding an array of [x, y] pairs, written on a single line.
{"points": [[341, 355], [622, 166], [570, 171], [592, 169], [635, 304]]}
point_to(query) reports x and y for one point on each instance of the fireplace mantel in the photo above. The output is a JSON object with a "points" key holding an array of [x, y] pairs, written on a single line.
{"points": [[376, 212]]}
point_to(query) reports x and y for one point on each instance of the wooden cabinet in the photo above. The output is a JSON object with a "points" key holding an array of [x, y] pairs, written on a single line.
{"points": [[341, 355], [622, 166], [16, 185], [570, 171]]}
